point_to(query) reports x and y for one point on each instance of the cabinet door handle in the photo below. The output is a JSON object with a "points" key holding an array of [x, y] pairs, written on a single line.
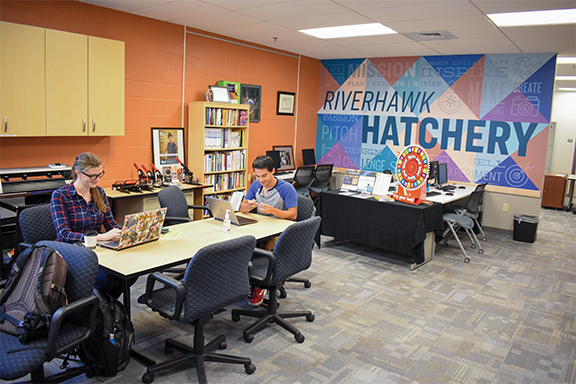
{"points": [[5, 125], [83, 125], [93, 125]]}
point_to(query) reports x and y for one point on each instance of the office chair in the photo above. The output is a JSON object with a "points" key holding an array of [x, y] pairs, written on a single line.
{"points": [[455, 221], [217, 276], [306, 210], [303, 179], [173, 198], [474, 216], [35, 224], [291, 254], [322, 175], [70, 325]]}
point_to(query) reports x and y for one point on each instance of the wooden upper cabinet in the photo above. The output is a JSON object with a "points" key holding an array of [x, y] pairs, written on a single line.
{"points": [[22, 80], [55, 83], [66, 83], [106, 70]]}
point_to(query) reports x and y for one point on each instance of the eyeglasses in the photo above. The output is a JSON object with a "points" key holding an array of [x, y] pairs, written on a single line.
{"points": [[94, 177]]}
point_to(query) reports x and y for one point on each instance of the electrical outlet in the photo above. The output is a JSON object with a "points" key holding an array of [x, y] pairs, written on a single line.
{"points": [[505, 207]]}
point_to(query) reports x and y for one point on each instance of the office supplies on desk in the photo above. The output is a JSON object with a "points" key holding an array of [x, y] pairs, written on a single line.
{"points": [[219, 207], [138, 228]]}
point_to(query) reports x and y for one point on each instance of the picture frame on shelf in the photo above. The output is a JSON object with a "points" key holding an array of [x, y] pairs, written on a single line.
{"points": [[286, 102], [168, 146], [218, 94], [251, 95], [286, 157]]}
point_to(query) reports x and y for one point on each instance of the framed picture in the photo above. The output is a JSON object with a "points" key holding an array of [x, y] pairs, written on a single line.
{"points": [[286, 157], [250, 94], [167, 147], [218, 94], [286, 102]]}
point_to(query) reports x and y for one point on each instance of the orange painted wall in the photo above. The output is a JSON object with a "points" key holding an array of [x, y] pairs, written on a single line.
{"points": [[154, 73]]}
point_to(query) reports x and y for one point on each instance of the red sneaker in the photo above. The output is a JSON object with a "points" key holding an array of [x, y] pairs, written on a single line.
{"points": [[257, 296]]}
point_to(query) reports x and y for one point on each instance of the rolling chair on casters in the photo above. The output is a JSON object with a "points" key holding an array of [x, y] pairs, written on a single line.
{"points": [[70, 325], [219, 272], [173, 198], [35, 225], [322, 175], [303, 179], [292, 254], [306, 210], [455, 221]]}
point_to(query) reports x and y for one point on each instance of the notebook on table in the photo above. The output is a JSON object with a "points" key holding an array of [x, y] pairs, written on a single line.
{"points": [[138, 228], [219, 207]]}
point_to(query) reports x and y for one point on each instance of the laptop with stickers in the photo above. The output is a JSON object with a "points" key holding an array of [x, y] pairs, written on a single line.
{"points": [[138, 228]]}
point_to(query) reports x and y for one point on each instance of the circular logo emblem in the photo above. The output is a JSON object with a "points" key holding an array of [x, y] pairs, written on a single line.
{"points": [[412, 167]]}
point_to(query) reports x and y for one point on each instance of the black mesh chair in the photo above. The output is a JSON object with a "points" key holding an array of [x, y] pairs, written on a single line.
{"points": [[306, 210], [303, 179], [173, 198], [456, 221], [35, 225], [217, 276], [322, 175], [70, 326], [291, 254]]}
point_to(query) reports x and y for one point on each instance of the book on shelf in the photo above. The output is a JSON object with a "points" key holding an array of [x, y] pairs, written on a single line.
{"points": [[225, 161], [226, 117]]}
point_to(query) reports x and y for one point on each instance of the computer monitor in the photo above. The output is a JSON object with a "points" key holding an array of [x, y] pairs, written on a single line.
{"points": [[442, 175], [433, 171], [275, 155], [308, 157]]}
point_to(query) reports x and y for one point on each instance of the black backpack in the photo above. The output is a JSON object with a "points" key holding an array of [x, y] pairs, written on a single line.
{"points": [[33, 292], [107, 351]]}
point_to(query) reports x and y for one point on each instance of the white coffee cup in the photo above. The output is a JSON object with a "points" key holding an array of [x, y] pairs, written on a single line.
{"points": [[90, 239]]}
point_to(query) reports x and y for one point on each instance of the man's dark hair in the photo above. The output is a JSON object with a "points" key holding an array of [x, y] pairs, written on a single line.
{"points": [[262, 162]]}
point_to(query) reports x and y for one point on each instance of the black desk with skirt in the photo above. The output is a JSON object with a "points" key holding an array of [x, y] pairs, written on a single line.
{"points": [[392, 226]]}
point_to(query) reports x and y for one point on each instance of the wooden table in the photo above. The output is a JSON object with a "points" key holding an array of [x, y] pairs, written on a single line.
{"points": [[125, 203], [179, 246]]}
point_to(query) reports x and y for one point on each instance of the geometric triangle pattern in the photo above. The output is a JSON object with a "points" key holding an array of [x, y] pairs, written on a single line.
{"points": [[486, 116]]}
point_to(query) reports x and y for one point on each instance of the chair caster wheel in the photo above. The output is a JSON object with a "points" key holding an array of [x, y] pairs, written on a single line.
{"points": [[467, 260], [223, 345], [484, 239], [250, 368], [445, 245], [299, 338], [235, 317], [480, 251], [283, 293], [307, 284], [248, 338], [148, 377], [168, 350], [473, 246], [310, 317]]}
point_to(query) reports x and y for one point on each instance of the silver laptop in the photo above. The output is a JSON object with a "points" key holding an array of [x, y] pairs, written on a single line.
{"points": [[219, 207], [138, 228]]}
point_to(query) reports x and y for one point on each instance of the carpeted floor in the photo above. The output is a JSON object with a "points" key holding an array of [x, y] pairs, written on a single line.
{"points": [[507, 317]]}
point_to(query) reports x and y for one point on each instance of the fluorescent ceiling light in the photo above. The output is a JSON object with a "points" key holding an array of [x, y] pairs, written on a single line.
{"points": [[566, 78], [566, 60], [349, 31], [567, 89], [519, 19]]}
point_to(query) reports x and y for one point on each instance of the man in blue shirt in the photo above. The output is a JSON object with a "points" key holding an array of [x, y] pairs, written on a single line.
{"points": [[271, 197]]}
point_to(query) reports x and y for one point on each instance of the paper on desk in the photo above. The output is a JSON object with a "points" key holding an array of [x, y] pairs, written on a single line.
{"points": [[382, 184]]}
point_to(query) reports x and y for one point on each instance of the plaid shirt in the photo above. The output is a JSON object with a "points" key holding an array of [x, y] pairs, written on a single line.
{"points": [[73, 216]]}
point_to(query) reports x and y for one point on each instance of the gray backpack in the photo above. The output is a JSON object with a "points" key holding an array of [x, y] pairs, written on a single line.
{"points": [[33, 292]]}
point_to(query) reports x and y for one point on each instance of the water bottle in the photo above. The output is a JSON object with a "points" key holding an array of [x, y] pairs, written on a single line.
{"points": [[227, 221]]}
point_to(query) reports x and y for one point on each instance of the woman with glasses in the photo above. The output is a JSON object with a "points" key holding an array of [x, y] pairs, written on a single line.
{"points": [[82, 206]]}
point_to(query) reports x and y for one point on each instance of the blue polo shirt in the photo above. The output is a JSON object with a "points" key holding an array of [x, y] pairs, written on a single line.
{"points": [[282, 196]]}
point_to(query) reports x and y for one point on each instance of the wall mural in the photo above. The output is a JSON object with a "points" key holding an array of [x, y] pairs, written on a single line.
{"points": [[487, 116]]}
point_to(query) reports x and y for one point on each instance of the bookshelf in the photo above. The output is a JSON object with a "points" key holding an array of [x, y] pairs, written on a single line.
{"points": [[218, 147]]}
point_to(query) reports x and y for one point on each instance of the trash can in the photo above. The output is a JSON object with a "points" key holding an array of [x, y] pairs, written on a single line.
{"points": [[525, 228]]}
